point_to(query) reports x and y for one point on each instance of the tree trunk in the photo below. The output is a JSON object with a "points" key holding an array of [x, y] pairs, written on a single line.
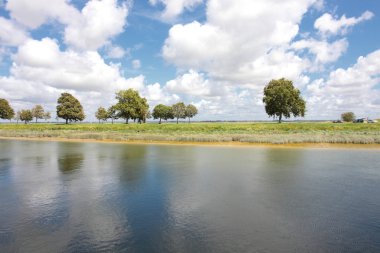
{"points": [[280, 118], [67, 121], [36, 119], [177, 120], [159, 121], [189, 120], [112, 120], [126, 120]]}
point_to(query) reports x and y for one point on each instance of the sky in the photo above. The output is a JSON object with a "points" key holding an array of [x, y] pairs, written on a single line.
{"points": [[215, 54]]}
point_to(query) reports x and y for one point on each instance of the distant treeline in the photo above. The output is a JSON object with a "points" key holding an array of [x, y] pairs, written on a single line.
{"points": [[130, 106], [281, 99]]}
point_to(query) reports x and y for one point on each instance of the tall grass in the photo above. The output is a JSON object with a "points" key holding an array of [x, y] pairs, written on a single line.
{"points": [[204, 132]]}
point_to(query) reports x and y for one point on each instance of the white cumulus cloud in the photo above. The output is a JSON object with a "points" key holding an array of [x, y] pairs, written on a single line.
{"points": [[173, 8], [329, 25]]}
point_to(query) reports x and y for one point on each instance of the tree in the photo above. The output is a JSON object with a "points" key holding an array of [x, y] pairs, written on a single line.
{"points": [[142, 110], [112, 113], [162, 112], [281, 98], [128, 104], [101, 114], [179, 111], [17, 116], [26, 116], [47, 116], [348, 116], [38, 112], [191, 111], [6, 111], [69, 108]]}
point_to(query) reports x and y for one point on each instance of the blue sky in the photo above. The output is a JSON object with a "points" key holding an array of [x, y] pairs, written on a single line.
{"points": [[216, 54]]}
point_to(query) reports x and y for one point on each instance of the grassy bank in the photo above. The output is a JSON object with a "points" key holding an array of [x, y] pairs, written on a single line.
{"points": [[204, 132]]}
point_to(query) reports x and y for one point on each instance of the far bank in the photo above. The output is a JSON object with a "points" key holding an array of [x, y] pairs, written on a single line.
{"points": [[252, 132]]}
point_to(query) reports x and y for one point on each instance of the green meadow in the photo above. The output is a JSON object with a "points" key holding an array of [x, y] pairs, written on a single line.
{"points": [[250, 132]]}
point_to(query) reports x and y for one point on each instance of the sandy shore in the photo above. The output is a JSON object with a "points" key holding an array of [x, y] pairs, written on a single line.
{"points": [[214, 144]]}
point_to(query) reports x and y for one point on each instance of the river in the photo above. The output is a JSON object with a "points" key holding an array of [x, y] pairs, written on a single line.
{"points": [[107, 197]]}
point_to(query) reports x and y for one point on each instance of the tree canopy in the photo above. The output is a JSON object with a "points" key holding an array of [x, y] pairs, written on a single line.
{"points": [[38, 112], [281, 98], [101, 114], [348, 116], [131, 106], [179, 111], [47, 115], [112, 113], [162, 112], [191, 111], [26, 116], [69, 108], [6, 111]]}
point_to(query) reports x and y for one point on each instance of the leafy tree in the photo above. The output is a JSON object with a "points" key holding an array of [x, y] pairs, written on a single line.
{"points": [[179, 111], [69, 108], [101, 114], [26, 116], [47, 116], [6, 111], [17, 116], [162, 112], [38, 112], [128, 104], [112, 113], [191, 111], [281, 98], [348, 116], [142, 110]]}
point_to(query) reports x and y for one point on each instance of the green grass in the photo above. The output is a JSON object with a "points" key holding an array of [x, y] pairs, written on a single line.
{"points": [[297, 132]]}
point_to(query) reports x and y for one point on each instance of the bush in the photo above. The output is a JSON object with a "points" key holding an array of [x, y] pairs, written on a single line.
{"points": [[348, 116]]}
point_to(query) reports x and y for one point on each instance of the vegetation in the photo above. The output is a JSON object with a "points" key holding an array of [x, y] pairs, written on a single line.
{"points": [[69, 108], [47, 116], [130, 105], [281, 98], [348, 116], [6, 111], [101, 114], [38, 112], [297, 132], [17, 117], [179, 111], [162, 112], [26, 116], [112, 113], [191, 111]]}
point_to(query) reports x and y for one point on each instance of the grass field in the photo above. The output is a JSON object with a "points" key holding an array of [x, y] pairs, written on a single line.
{"points": [[295, 132]]}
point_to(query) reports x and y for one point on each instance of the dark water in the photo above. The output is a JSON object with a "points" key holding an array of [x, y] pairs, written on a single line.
{"points": [[92, 197]]}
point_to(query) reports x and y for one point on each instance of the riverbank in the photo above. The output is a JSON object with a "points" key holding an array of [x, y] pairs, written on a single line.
{"points": [[220, 133]]}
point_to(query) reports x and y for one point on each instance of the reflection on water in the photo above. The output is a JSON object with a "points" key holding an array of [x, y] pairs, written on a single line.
{"points": [[92, 197]]}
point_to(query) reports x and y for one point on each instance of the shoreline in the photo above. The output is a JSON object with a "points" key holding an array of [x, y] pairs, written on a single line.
{"points": [[320, 145]]}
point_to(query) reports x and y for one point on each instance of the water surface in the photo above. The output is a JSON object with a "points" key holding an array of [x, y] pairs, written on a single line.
{"points": [[97, 197]]}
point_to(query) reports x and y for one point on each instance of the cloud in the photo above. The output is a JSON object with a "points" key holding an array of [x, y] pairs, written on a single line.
{"points": [[99, 21], [88, 29], [10, 33], [33, 14], [329, 25], [323, 51], [116, 52], [174, 8], [230, 44], [44, 62], [136, 64], [345, 89]]}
